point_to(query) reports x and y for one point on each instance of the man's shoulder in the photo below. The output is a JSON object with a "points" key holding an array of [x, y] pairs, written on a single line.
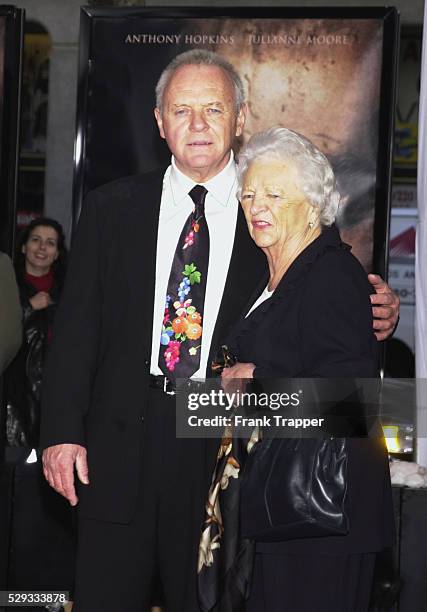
{"points": [[129, 188]]}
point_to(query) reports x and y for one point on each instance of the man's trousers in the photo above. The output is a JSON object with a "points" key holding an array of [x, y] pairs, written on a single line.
{"points": [[118, 564]]}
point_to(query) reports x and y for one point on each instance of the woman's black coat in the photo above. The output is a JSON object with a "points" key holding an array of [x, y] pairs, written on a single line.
{"points": [[318, 324], [24, 375]]}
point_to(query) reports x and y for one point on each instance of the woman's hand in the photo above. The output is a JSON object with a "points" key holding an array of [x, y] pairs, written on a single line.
{"points": [[40, 300], [239, 370], [234, 379]]}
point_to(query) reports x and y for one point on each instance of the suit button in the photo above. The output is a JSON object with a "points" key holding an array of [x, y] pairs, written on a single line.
{"points": [[146, 363], [142, 419]]}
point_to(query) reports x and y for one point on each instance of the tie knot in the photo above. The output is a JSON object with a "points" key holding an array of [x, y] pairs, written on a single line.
{"points": [[198, 195]]}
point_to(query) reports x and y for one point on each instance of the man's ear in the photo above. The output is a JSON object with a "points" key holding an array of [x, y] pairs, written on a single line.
{"points": [[158, 116], [241, 118]]}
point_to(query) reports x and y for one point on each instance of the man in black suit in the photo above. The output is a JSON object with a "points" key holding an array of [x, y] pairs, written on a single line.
{"points": [[108, 409]]}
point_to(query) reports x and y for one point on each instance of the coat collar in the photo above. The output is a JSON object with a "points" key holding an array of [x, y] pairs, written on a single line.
{"points": [[247, 265], [139, 245], [328, 240], [140, 226]]}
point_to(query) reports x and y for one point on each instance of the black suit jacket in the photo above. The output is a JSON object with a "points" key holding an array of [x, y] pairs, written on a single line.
{"points": [[97, 374], [318, 324]]}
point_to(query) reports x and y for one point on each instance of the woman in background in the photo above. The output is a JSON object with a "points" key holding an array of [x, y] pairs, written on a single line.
{"points": [[42, 533], [40, 270]]}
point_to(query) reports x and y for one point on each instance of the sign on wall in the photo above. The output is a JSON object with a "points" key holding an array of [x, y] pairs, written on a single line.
{"points": [[407, 103]]}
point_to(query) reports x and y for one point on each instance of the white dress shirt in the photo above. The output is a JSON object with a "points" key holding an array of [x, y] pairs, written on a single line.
{"points": [[221, 208]]}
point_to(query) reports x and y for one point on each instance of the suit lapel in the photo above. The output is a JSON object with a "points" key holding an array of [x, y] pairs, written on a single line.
{"points": [[247, 265], [139, 245], [296, 274]]}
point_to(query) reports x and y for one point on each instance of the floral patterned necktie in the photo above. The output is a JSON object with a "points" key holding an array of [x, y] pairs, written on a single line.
{"points": [[181, 336]]}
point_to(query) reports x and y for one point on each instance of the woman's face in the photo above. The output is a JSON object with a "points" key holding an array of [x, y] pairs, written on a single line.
{"points": [[275, 208], [40, 250]]}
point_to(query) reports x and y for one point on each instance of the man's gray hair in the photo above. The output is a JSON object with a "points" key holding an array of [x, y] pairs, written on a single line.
{"points": [[200, 57], [316, 177]]}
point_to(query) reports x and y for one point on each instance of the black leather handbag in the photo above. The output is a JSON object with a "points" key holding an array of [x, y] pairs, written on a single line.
{"points": [[295, 488]]}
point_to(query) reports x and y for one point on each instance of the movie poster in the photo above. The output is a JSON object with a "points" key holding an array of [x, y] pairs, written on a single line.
{"points": [[408, 95], [34, 113], [35, 84], [2, 32], [322, 77]]}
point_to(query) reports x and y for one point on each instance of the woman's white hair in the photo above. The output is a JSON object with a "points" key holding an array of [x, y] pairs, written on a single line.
{"points": [[316, 177], [200, 57]]}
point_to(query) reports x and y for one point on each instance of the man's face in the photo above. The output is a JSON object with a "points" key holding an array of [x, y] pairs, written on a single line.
{"points": [[199, 120]]}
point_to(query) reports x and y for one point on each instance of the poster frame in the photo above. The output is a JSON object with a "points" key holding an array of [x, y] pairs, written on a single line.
{"points": [[10, 123], [388, 15]]}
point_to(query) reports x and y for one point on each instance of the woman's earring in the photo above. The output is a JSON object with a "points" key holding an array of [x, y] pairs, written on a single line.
{"points": [[313, 219]]}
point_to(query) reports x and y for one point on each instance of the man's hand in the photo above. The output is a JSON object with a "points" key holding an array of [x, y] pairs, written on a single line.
{"points": [[58, 468], [40, 300], [385, 307]]}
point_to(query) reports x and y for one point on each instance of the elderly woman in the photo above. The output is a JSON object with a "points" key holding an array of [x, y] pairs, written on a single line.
{"points": [[310, 318]]}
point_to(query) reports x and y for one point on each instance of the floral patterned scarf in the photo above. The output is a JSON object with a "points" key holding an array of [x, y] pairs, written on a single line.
{"points": [[225, 558]]}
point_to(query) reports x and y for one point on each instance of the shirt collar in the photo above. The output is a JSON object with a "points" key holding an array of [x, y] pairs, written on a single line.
{"points": [[221, 187]]}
